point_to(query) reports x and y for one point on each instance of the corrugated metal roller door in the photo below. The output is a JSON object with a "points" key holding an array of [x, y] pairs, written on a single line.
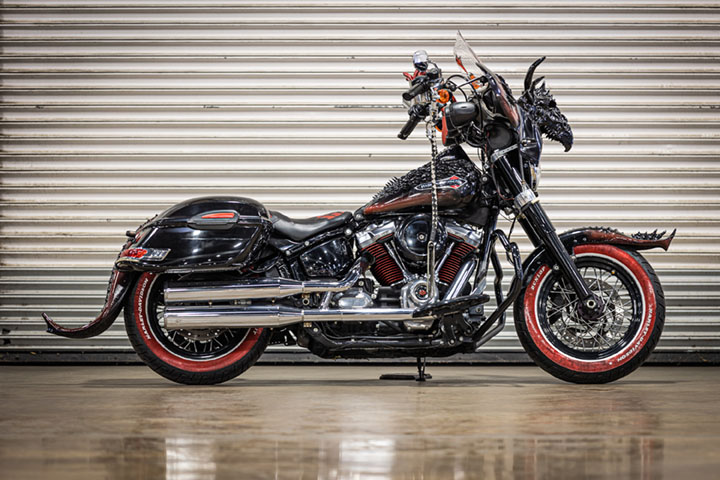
{"points": [[113, 110]]}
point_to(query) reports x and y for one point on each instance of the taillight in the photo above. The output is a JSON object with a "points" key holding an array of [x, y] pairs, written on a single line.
{"points": [[134, 253], [144, 254]]}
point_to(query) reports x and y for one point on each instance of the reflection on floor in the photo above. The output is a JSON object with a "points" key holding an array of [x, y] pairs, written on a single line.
{"points": [[342, 422]]}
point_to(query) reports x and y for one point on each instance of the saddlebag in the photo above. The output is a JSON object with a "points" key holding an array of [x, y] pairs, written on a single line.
{"points": [[209, 233]]}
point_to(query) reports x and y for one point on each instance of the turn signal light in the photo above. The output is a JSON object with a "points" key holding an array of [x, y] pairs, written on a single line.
{"points": [[444, 96]]}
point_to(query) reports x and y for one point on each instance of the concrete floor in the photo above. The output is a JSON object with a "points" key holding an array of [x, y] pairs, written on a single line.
{"points": [[342, 422]]}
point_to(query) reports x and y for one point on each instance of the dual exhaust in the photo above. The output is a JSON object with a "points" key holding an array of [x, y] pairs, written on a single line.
{"points": [[251, 316]]}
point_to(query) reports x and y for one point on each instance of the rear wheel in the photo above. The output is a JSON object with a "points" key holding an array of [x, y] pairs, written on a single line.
{"points": [[186, 356], [575, 349]]}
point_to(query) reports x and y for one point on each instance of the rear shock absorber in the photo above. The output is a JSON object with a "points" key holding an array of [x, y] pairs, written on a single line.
{"points": [[385, 269]]}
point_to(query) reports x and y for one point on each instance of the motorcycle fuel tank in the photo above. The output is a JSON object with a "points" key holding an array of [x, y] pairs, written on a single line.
{"points": [[458, 181]]}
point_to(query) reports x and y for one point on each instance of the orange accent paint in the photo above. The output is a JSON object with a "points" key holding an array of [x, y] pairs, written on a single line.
{"points": [[475, 85]]}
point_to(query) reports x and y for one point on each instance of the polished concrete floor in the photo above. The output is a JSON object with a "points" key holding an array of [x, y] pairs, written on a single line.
{"points": [[342, 422]]}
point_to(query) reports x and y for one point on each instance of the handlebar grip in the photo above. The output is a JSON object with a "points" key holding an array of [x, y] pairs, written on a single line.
{"points": [[415, 90], [409, 126]]}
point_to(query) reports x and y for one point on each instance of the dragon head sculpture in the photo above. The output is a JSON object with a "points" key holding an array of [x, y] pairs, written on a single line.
{"points": [[540, 106]]}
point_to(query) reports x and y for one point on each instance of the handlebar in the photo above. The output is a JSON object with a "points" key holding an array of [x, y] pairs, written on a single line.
{"points": [[421, 86], [416, 113]]}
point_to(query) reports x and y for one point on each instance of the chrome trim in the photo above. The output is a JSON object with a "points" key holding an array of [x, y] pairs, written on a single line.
{"points": [[372, 233], [446, 254], [500, 153], [263, 288], [394, 255], [465, 234], [461, 278], [525, 197], [190, 318]]}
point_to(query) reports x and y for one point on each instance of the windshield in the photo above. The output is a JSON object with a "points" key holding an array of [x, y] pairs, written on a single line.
{"points": [[468, 60]]}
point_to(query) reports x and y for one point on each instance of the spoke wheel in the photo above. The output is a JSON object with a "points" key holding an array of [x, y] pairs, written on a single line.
{"points": [[187, 356], [573, 348], [611, 331], [190, 344]]}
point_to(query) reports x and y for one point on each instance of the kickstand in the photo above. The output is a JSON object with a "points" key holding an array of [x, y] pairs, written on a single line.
{"points": [[420, 377]]}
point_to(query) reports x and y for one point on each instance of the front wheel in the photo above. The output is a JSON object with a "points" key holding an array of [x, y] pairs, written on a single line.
{"points": [[578, 350], [193, 357]]}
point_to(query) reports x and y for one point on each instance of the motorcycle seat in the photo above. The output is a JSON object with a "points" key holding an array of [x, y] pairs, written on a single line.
{"points": [[300, 229]]}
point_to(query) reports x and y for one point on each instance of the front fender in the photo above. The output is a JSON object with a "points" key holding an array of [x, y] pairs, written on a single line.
{"points": [[609, 236]]}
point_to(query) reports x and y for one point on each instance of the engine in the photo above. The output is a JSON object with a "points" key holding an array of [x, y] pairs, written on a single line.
{"points": [[399, 247]]}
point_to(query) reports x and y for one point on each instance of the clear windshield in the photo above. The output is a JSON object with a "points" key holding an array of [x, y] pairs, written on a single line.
{"points": [[468, 60]]}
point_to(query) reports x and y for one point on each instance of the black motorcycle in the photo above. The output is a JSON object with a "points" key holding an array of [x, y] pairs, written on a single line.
{"points": [[207, 285]]}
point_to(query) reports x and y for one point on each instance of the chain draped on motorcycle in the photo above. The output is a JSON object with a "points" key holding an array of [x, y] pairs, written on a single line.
{"points": [[208, 284]]}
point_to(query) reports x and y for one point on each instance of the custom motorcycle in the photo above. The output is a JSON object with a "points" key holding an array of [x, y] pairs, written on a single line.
{"points": [[208, 284]]}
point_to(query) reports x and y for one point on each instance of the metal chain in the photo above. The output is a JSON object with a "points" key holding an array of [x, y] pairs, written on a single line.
{"points": [[430, 133]]}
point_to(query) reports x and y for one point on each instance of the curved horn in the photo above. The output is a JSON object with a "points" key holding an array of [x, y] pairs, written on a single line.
{"points": [[531, 72], [536, 81], [120, 283]]}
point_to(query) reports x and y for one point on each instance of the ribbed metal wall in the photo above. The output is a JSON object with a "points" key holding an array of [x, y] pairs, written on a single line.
{"points": [[112, 110]]}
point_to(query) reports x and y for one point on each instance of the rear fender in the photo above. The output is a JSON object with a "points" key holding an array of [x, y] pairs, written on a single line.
{"points": [[608, 236]]}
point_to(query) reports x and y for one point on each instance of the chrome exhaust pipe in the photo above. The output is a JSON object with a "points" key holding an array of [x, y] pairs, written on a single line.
{"points": [[194, 318], [262, 288]]}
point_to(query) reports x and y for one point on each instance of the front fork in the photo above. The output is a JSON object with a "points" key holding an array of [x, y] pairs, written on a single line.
{"points": [[540, 230]]}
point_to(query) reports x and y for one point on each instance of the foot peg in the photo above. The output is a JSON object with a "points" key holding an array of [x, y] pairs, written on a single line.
{"points": [[452, 306]]}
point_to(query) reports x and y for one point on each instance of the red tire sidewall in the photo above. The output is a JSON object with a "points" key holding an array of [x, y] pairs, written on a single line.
{"points": [[643, 281], [142, 295]]}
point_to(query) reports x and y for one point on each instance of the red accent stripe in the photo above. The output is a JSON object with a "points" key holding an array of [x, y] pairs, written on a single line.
{"points": [[444, 129], [219, 215], [330, 216]]}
